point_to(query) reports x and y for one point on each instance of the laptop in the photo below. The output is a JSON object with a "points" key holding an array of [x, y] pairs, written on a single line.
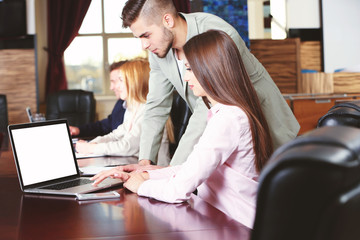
{"points": [[45, 160]]}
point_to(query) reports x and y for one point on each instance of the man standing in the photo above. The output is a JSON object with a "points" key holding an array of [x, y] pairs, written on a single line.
{"points": [[163, 32]]}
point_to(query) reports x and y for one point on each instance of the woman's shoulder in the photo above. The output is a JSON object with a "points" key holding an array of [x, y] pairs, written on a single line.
{"points": [[136, 107], [231, 116], [229, 111]]}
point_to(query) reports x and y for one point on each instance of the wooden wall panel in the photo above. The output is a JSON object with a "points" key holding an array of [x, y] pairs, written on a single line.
{"points": [[281, 58], [319, 82], [18, 82], [310, 55], [346, 82]]}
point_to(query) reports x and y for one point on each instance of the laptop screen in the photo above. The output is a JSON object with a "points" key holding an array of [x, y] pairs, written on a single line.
{"points": [[43, 152]]}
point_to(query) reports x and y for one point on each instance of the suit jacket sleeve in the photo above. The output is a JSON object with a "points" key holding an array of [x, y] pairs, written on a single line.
{"points": [[157, 110]]}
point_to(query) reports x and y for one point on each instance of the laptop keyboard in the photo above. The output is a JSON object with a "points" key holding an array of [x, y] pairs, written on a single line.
{"points": [[69, 184]]}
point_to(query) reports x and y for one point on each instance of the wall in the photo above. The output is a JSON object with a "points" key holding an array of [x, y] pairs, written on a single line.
{"points": [[341, 33], [303, 14], [17, 81], [233, 12], [278, 23]]}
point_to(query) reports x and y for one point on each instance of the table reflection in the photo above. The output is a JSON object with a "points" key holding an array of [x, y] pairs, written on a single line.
{"points": [[193, 216], [52, 217], [49, 217]]}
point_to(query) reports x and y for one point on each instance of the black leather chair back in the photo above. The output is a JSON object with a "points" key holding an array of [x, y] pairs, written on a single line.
{"points": [[77, 106], [3, 119], [310, 189], [343, 114], [180, 115], [3, 113]]}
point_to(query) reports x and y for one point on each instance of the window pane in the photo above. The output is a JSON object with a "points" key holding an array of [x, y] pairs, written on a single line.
{"points": [[92, 20], [124, 48], [113, 22], [84, 64]]}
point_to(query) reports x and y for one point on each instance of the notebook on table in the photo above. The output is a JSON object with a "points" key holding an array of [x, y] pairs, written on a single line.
{"points": [[45, 159]]}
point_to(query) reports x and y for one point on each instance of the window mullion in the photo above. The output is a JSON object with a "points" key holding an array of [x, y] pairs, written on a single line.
{"points": [[106, 81]]}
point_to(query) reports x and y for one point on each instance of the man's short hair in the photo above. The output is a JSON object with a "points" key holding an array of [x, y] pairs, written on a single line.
{"points": [[151, 10]]}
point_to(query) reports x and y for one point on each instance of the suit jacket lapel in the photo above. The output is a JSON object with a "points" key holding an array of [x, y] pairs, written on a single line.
{"points": [[173, 71]]}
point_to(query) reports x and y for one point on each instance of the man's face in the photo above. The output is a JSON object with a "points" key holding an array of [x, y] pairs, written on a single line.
{"points": [[154, 38]]}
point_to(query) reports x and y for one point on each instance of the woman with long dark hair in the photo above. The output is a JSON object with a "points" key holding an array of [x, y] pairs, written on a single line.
{"points": [[225, 164]]}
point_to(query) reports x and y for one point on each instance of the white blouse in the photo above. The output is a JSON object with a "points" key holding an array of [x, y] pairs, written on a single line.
{"points": [[125, 140]]}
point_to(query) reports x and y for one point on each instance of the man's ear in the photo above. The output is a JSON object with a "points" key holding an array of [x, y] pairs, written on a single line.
{"points": [[168, 21]]}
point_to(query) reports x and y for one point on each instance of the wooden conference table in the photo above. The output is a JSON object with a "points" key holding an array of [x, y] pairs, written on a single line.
{"points": [[24, 216]]}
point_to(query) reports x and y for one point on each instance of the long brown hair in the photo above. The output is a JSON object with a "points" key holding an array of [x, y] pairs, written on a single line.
{"points": [[216, 62]]}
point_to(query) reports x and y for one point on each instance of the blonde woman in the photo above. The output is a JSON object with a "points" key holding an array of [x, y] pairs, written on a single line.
{"points": [[132, 87]]}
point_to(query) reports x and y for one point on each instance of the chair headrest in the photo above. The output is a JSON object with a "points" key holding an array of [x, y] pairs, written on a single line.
{"points": [[302, 183], [345, 114], [330, 136]]}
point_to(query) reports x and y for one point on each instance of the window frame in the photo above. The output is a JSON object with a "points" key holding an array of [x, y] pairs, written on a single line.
{"points": [[105, 63]]}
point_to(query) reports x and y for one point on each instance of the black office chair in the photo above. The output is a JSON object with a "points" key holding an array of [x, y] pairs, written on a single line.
{"points": [[310, 188], [343, 114], [77, 106], [4, 122], [180, 115]]}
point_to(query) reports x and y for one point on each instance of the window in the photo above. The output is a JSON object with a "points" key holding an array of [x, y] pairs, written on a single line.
{"points": [[101, 41]]}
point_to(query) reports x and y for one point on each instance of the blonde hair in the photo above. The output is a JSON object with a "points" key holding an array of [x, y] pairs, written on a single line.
{"points": [[136, 74]]}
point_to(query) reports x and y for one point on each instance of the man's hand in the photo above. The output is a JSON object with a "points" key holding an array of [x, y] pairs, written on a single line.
{"points": [[74, 131], [144, 162]]}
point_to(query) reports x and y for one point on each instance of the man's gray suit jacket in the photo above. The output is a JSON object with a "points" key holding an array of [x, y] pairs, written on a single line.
{"points": [[165, 76]]}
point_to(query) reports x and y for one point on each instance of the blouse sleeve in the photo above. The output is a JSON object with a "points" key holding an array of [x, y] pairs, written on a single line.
{"points": [[219, 140], [121, 141], [166, 172], [115, 135]]}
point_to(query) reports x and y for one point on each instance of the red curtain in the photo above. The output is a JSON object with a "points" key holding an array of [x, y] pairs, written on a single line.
{"points": [[64, 21], [182, 5]]}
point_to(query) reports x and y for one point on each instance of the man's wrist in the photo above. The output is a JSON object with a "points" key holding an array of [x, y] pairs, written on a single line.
{"points": [[144, 162]]}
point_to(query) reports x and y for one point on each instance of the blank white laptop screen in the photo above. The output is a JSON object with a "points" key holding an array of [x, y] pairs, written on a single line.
{"points": [[44, 153]]}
